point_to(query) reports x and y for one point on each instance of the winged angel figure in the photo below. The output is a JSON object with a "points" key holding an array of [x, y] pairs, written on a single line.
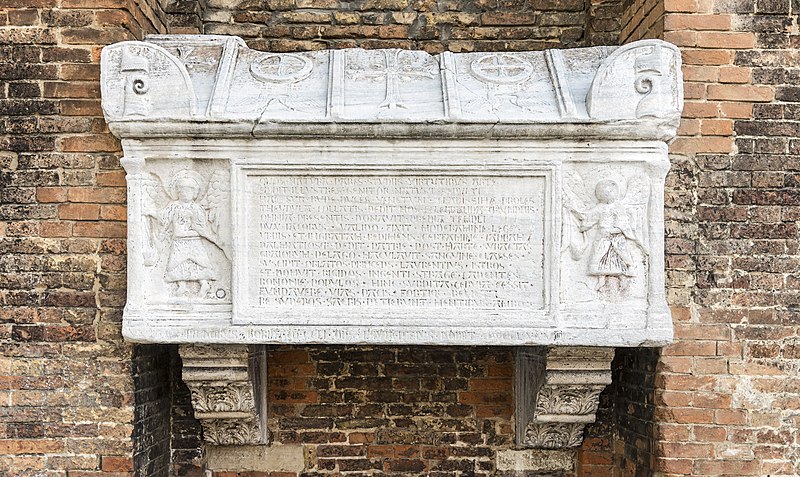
{"points": [[603, 223], [180, 230]]}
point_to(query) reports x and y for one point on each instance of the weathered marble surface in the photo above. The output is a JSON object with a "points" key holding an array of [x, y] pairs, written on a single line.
{"points": [[215, 85], [557, 392], [391, 196]]}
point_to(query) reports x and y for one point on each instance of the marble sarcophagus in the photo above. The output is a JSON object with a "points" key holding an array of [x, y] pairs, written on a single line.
{"points": [[395, 197]]}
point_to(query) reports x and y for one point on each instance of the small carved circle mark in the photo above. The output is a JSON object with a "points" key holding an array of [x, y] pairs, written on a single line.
{"points": [[501, 68], [220, 293], [282, 68]]}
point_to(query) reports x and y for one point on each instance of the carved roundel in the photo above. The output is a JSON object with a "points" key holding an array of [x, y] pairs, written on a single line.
{"points": [[501, 68], [282, 68]]}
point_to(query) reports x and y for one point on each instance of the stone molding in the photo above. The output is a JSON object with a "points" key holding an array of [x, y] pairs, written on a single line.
{"points": [[557, 393], [228, 389]]}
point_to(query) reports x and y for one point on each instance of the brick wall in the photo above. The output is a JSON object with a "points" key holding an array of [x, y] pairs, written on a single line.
{"points": [[153, 367], [409, 410], [726, 391], [721, 401], [66, 389], [434, 26], [186, 446]]}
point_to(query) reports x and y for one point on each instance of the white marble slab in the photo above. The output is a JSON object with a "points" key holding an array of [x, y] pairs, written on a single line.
{"points": [[391, 196], [432, 248]]}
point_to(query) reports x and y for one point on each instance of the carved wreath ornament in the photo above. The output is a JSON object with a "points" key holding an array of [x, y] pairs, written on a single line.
{"points": [[501, 68]]}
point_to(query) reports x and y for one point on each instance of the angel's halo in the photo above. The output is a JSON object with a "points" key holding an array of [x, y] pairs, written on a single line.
{"points": [[187, 177]]}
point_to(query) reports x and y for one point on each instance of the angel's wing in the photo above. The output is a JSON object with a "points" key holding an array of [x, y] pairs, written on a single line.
{"points": [[576, 198], [635, 201], [217, 192], [575, 205], [155, 198], [215, 201]]}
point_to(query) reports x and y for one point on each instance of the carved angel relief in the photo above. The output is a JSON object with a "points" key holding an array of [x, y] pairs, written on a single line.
{"points": [[183, 233], [606, 225]]}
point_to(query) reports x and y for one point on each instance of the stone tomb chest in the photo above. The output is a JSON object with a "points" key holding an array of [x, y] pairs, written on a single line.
{"points": [[394, 197]]}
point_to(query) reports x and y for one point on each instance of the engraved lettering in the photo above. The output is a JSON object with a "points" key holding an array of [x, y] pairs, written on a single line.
{"points": [[419, 242]]}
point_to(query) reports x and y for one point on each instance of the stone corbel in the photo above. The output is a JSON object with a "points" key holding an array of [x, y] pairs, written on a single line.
{"points": [[228, 389], [557, 393]]}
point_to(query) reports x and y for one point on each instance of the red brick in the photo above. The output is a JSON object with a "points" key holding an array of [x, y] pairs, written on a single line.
{"points": [[51, 194], [726, 40], [30, 446], [28, 3], [680, 5], [744, 93], [722, 467], [735, 417], [691, 348], [489, 384], [99, 229], [707, 57], [486, 398], [55, 229], [80, 107], [710, 433], [688, 415], [114, 212], [98, 195], [687, 450], [78, 212], [715, 144], [111, 178], [693, 21], [80, 72]]}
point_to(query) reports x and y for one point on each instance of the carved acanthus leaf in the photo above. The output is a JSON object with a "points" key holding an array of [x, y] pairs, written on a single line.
{"points": [[554, 435], [223, 432], [574, 400], [227, 397], [227, 392]]}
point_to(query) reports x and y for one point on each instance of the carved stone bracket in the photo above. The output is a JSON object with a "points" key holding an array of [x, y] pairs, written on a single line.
{"points": [[228, 392], [557, 393]]}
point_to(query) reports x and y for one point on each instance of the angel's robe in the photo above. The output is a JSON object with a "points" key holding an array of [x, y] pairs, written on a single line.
{"points": [[188, 259], [611, 255]]}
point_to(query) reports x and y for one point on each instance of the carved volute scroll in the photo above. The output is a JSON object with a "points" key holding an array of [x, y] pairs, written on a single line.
{"points": [[638, 81], [557, 393], [141, 79], [228, 392]]}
